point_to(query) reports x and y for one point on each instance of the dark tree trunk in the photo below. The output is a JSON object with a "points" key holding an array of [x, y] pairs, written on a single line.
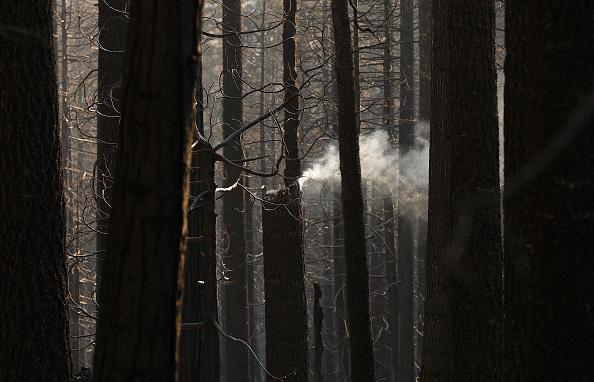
{"points": [[110, 68], [34, 331], [318, 324], [284, 285], [235, 309], [406, 212], [282, 226], [357, 276], [292, 112], [549, 188], [210, 348], [464, 275], [143, 270]]}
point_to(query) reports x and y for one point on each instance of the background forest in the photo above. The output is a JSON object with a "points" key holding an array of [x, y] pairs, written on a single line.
{"points": [[296, 190]]}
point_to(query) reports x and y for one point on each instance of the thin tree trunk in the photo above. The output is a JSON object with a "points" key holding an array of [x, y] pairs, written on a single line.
{"points": [[140, 314], [110, 68], [235, 308], [549, 184], [286, 311], [292, 110], [357, 276], [34, 334], [210, 347], [463, 308]]}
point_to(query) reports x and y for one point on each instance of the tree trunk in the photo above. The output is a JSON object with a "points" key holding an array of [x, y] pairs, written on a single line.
{"points": [[292, 110], [235, 308], [357, 276], [284, 285], [34, 331], [143, 271], [110, 69], [549, 183], [463, 325], [210, 347]]}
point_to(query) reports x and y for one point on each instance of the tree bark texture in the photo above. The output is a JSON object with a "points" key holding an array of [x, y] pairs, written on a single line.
{"points": [[549, 184], [463, 309], [34, 334], [357, 275], [235, 308], [139, 317], [284, 285], [110, 68]]}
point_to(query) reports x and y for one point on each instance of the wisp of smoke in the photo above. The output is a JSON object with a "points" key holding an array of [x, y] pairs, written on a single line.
{"points": [[380, 163]]}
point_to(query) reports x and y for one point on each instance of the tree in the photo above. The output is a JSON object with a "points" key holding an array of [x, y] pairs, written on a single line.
{"points": [[286, 312], [548, 206], [283, 242], [235, 309], [139, 316], [34, 325], [357, 275], [463, 324]]}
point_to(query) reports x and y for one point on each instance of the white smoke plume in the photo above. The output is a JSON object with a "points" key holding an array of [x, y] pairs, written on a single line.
{"points": [[380, 163]]}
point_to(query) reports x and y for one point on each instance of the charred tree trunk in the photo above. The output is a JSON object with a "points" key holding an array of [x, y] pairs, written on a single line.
{"points": [[209, 347], [357, 276], [549, 183], [34, 326], [464, 275], [110, 69], [140, 313], [292, 110], [284, 285], [235, 308]]}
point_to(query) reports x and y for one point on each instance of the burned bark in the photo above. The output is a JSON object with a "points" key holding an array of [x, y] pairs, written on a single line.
{"points": [[463, 324], [549, 183], [34, 334], [139, 319], [284, 285]]}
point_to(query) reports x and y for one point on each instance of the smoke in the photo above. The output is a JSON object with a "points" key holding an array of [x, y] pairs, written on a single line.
{"points": [[381, 164]]}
